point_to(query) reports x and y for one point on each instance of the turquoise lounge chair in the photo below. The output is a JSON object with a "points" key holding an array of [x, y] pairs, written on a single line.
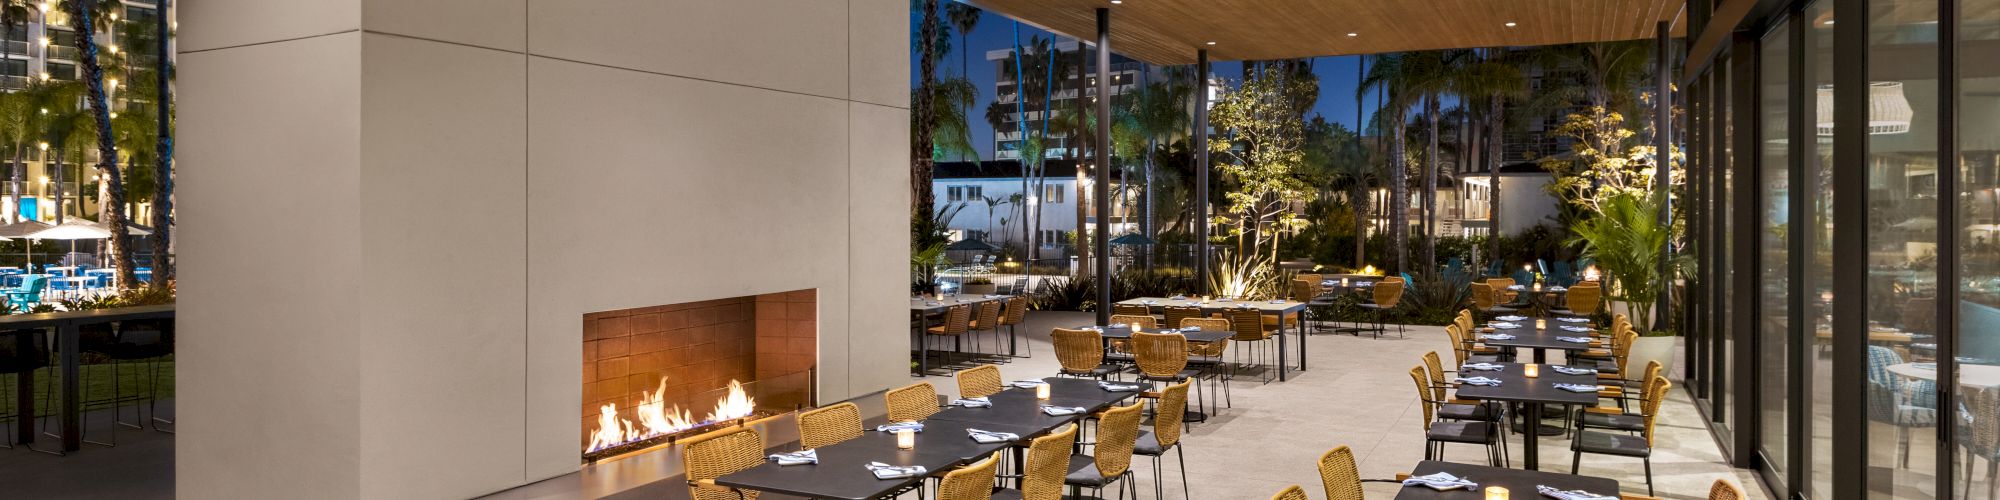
{"points": [[29, 293]]}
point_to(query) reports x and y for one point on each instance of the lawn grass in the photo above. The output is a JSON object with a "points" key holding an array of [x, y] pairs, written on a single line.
{"points": [[133, 380]]}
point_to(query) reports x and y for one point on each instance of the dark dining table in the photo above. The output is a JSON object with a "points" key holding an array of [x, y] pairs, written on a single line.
{"points": [[1541, 340], [842, 474], [1281, 308], [1199, 337], [21, 329], [922, 308], [1531, 393], [1519, 483]]}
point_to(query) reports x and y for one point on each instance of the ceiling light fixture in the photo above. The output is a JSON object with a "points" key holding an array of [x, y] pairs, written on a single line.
{"points": [[1510, 24], [1353, 34], [1115, 2], [1211, 43]]}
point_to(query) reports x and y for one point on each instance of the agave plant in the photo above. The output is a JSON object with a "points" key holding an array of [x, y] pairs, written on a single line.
{"points": [[1246, 276]]}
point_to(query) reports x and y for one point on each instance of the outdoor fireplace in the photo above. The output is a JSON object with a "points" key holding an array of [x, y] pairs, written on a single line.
{"points": [[652, 375]]}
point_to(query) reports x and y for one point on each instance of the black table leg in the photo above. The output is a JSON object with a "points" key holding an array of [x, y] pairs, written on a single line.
{"points": [[1302, 342], [1541, 356], [1283, 365], [24, 385], [1532, 429], [72, 400]]}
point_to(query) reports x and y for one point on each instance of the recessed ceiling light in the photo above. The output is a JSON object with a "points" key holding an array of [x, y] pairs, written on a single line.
{"points": [[1211, 43], [1829, 22], [1353, 34], [1510, 24], [1117, 1]]}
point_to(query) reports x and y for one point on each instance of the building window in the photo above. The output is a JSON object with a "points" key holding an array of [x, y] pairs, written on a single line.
{"points": [[964, 193], [62, 71], [1052, 194]]}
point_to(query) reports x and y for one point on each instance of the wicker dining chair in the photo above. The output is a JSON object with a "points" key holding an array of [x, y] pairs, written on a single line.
{"points": [[1581, 301], [1640, 447], [828, 425], [1501, 290], [1161, 357], [957, 319], [1458, 409], [1249, 327], [1132, 309], [1011, 317], [1046, 465], [1724, 489], [985, 319], [971, 482], [1143, 321], [1388, 294], [715, 454], [1437, 433], [1317, 308], [979, 381], [1206, 357], [1176, 314], [912, 402], [1291, 493], [1080, 353], [1338, 474], [1168, 417], [1487, 301], [1111, 460]]}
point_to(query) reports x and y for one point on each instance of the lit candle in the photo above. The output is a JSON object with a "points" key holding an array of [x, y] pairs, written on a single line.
{"points": [[1343, 282], [1042, 391], [1541, 324], [906, 439], [1496, 493], [1538, 287], [1530, 370]]}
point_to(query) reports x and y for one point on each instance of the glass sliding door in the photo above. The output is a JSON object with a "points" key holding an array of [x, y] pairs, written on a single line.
{"points": [[1977, 363], [1774, 294], [1903, 224], [1818, 285]]}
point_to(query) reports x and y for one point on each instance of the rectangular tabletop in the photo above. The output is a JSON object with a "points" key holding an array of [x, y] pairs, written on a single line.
{"points": [[1267, 306], [1203, 336], [1520, 389], [1519, 483], [931, 305], [842, 473], [1529, 337]]}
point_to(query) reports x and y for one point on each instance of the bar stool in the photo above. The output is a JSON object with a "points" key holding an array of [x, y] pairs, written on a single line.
{"points": [[21, 352]]}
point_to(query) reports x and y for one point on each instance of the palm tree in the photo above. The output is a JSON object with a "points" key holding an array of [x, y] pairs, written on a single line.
{"points": [[1484, 85], [963, 17], [163, 183], [17, 130], [993, 203], [951, 132], [924, 111], [1159, 114], [1336, 160], [85, 13], [1391, 74]]}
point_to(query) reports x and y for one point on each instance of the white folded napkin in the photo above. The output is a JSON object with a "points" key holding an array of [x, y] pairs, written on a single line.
{"points": [[978, 402], [1062, 411], [1147, 301], [1441, 481], [1559, 494], [1505, 325], [991, 296], [1113, 387], [990, 437], [1177, 297], [1028, 384], [1116, 325], [1481, 366], [1558, 288], [933, 303], [1517, 287], [1277, 301], [1578, 387], [886, 471], [1511, 318], [796, 458], [1497, 336], [1190, 329], [1575, 340], [912, 426], [1579, 329], [1572, 370], [1574, 320], [1491, 382]]}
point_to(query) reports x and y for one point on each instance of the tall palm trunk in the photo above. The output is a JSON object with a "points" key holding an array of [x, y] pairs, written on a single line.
{"points": [[61, 205], [1358, 197], [18, 180], [1431, 174], [107, 151], [1399, 198], [920, 148], [1494, 133], [163, 177]]}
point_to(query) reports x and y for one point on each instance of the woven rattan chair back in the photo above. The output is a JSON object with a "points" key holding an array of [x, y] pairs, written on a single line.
{"points": [[957, 319], [1132, 309], [1313, 278], [829, 425], [1079, 351], [1388, 293], [979, 381], [971, 482], [1305, 291], [1423, 393], [1482, 296], [1207, 349], [1622, 350], [1248, 323], [1048, 463], [912, 402], [1339, 475], [1015, 312], [1985, 408], [1142, 321], [1457, 338], [1291, 493], [1176, 314], [1656, 392], [1499, 284], [1582, 299], [1169, 413], [1435, 368], [1206, 324], [988, 317], [1653, 369], [1160, 354], [1117, 432], [712, 455], [1725, 490]]}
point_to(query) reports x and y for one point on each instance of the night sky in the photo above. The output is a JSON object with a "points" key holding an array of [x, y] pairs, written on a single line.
{"points": [[1337, 78]]}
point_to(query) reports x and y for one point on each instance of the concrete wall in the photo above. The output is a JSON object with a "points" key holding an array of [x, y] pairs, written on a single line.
{"points": [[396, 212]]}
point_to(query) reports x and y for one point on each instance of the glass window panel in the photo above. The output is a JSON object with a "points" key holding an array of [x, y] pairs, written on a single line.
{"points": [[1902, 409], [1725, 108], [1774, 79], [1977, 412], [1818, 286]]}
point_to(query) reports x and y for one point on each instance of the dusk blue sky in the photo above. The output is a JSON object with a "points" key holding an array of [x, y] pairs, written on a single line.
{"points": [[1337, 79]]}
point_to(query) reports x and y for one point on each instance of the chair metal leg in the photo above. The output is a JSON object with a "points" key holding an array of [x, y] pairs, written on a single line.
{"points": [[1575, 460], [1649, 474], [1182, 456]]}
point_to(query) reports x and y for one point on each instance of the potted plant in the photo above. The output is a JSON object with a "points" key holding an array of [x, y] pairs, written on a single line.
{"points": [[979, 286], [1625, 239]]}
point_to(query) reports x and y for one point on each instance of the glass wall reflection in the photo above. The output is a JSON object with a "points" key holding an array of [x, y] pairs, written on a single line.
{"points": [[1977, 411], [1774, 80]]}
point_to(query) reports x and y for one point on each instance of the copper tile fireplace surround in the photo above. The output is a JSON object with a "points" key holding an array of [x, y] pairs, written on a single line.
{"points": [[652, 375]]}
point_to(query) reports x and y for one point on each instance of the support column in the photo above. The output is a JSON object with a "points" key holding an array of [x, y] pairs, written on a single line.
{"points": [[1663, 122], [1102, 162], [1201, 171]]}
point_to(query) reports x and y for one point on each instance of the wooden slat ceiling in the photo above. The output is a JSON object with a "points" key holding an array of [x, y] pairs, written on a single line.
{"points": [[1170, 31]]}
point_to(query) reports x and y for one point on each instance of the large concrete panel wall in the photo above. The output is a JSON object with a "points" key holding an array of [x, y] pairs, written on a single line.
{"points": [[396, 213]]}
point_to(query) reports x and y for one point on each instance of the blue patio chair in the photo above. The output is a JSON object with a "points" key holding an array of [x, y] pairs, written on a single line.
{"points": [[1523, 277], [1903, 403], [1561, 274], [29, 293]]}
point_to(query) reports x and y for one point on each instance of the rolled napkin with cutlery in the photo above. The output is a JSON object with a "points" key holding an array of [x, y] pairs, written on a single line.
{"points": [[1578, 329], [1027, 384], [1572, 370], [886, 471], [978, 402], [796, 458], [1511, 318], [1481, 367], [1147, 301], [1185, 329], [1061, 411], [991, 296], [990, 437], [1490, 382], [1561, 494], [1578, 387], [1277, 301], [1575, 340], [1497, 336], [1574, 320], [933, 303], [1505, 325], [1517, 287], [1441, 481], [1116, 387], [910, 426], [1177, 297]]}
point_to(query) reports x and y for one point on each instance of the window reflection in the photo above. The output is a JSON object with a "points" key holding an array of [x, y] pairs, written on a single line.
{"points": [[1977, 411]]}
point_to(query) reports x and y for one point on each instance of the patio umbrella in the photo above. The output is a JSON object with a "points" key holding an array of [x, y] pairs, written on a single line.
{"points": [[22, 229], [972, 245], [1132, 239], [73, 229]]}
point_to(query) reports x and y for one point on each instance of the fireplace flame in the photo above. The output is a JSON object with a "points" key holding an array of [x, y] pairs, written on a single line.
{"points": [[656, 419]]}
